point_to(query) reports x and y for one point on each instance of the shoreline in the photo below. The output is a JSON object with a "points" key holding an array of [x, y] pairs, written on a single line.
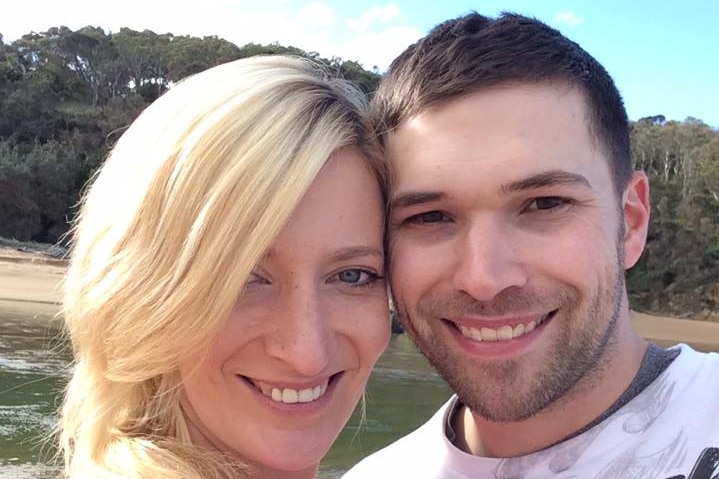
{"points": [[30, 286], [31, 291]]}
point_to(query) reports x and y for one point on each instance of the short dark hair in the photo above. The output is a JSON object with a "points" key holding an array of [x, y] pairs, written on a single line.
{"points": [[473, 52]]}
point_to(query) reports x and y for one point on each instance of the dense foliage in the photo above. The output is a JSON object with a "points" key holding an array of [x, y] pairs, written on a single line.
{"points": [[66, 96], [679, 271]]}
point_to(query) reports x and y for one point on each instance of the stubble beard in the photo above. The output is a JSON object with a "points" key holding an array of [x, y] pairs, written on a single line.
{"points": [[517, 389]]}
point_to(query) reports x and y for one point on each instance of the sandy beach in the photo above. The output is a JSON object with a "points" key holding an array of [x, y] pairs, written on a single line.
{"points": [[30, 287]]}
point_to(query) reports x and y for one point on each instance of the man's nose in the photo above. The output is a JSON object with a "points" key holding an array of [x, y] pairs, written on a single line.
{"points": [[303, 336], [488, 261]]}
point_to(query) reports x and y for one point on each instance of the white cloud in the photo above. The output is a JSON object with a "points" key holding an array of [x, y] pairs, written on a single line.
{"points": [[375, 14], [317, 15], [378, 49], [570, 18]]}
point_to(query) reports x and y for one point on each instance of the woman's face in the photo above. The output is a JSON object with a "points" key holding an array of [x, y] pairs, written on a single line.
{"points": [[286, 371]]}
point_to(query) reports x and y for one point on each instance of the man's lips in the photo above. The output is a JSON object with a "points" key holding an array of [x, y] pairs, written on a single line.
{"points": [[507, 331]]}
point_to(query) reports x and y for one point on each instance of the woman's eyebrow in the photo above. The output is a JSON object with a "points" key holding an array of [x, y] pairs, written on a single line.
{"points": [[356, 252]]}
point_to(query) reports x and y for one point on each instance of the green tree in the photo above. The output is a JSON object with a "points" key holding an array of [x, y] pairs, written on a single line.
{"points": [[679, 271]]}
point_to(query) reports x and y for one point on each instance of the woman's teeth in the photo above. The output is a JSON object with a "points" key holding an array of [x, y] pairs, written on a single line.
{"points": [[292, 396], [503, 333]]}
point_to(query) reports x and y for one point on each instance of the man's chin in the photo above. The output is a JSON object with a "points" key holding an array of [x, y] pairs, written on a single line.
{"points": [[493, 390]]}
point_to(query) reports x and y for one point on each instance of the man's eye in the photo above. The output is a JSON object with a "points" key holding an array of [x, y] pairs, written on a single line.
{"points": [[357, 277], [548, 203], [427, 218]]}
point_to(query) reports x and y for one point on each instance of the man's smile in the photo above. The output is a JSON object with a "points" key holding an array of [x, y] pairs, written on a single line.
{"points": [[505, 332]]}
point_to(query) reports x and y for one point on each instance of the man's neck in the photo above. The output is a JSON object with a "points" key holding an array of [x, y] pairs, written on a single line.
{"points": [[587, 400]]}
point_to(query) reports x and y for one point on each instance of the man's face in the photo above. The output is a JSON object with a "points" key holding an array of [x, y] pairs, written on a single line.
{"points": [[507, 246]]}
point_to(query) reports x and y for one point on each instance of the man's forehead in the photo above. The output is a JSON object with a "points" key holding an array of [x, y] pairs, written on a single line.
{"points": [[502, 135], [439, 177], [422, 121]]}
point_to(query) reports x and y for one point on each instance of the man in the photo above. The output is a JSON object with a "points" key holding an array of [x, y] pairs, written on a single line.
{"points": [[514, 213]]}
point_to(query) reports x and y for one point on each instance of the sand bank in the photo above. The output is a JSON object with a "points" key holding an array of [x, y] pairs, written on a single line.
{"points": [[30, 284]]}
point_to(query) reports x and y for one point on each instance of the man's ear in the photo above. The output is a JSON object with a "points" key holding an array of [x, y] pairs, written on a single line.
{"points": [[635, 203]]}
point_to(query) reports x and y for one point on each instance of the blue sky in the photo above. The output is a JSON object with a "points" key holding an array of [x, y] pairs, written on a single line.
{"points": [[663, 54]]}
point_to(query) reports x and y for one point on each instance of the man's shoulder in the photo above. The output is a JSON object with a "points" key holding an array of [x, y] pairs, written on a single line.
{"points": [[690, 379], [419, 450], [696, 375], [696, 361]]}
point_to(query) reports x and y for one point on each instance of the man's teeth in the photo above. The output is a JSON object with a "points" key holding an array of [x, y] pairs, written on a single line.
{"points": [[292, 396], [503, 333]]}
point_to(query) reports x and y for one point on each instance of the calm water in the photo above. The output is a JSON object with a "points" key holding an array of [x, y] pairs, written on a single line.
{"points": [[33, 370], [403, 391]]}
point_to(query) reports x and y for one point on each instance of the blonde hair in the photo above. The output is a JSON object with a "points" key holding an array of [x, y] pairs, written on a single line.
{"points": [[186, 204]]}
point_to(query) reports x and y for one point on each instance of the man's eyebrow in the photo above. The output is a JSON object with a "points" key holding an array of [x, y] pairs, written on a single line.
{"points": [[544, 180], [414, 198], [353, 252]]}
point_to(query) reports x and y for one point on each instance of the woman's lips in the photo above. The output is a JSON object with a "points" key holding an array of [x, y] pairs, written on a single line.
{"points": [[291, 395]]}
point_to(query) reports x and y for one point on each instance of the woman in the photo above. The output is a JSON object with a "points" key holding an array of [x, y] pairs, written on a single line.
{"points": [[225, 297]]}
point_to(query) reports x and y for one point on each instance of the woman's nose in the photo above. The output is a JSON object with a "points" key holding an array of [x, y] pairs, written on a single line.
{"points": [[302, 336]]}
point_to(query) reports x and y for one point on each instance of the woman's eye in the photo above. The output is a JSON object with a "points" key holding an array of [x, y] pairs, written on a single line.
{"points": [[427, 218], [357, 277], [255, 278]]}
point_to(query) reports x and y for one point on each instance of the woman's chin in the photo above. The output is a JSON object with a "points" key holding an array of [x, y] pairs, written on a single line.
{"points": [[292, 466], [292, 456]]}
